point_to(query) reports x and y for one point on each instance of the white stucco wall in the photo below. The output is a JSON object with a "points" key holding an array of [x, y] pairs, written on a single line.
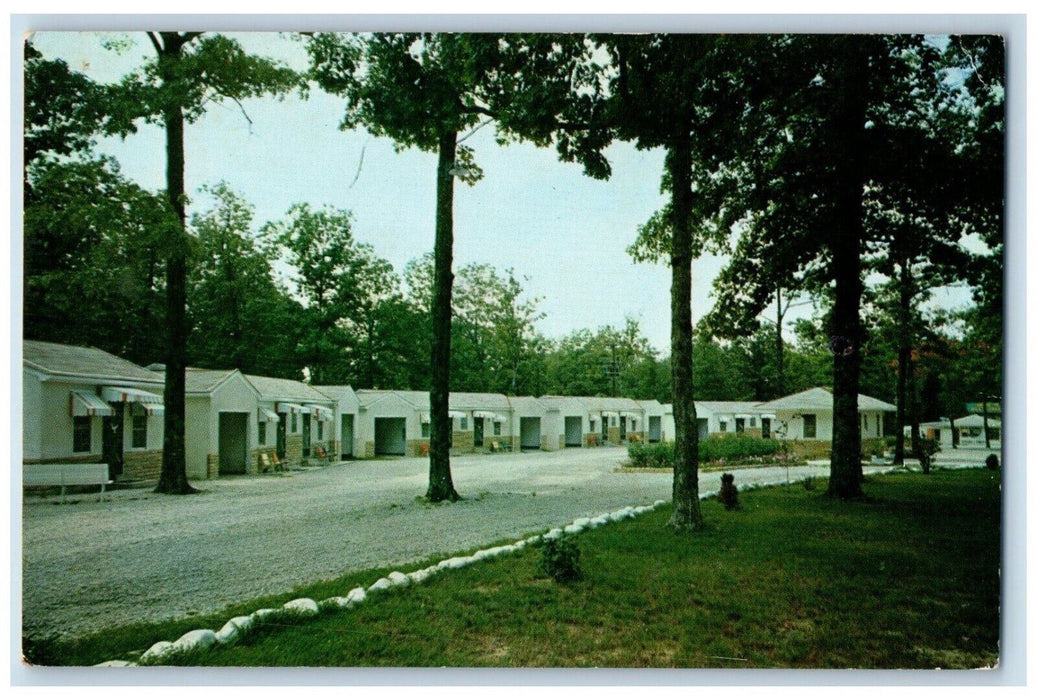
{"points": [[47, 424], [32, 416], [198, 439]]}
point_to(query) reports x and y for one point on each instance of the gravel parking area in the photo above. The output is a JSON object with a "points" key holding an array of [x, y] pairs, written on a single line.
{"points": [[145, 556]]}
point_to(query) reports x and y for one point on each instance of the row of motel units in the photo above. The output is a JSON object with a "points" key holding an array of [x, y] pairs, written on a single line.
{"points": [[83, 404], [804, 416]]}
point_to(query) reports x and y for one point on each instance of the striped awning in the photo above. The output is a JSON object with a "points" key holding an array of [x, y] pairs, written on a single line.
{"points": [[631, 414], [457, 414], [495, 417], [425, 418], [286, 407], [768, 415], [265, 414], [85, 403], [322, 413], [610, 414], [126, 395], [745, 415]]}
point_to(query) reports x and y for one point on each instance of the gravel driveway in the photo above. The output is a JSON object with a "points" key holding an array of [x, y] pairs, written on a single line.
{"points": [[145, 556]]}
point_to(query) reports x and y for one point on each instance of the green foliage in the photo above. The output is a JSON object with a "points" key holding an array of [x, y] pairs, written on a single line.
{"points": [[653, 455], [560, 558], [192, 70], [721, 449], [232, 296], [94, 263], [345, 291]]}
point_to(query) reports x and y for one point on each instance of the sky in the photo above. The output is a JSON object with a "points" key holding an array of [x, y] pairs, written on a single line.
{"points": [[564, 234]]}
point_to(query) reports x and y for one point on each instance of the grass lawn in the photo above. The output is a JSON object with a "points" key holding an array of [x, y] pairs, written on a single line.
{"points": [[906, 579]]}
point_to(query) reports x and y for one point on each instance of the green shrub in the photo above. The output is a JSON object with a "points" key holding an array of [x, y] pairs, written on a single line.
{"points": [[658, 455], [560, 558], [720, 449]]}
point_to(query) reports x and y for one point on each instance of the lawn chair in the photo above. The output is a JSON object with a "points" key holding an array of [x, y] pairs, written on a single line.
{"points": [[264, 462], [279, 466], [320, 453]]}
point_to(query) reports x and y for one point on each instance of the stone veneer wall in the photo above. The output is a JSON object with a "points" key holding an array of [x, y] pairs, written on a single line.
{"points": [[212, 466], [254, 467], [464, 441], [614, 435], [293, 448], [415, 448], [142, 466], [368, 449]]}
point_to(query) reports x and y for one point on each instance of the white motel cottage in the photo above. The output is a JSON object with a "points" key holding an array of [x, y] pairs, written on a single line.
{"points": [[806, 418], [86, 405], [296, 416]]}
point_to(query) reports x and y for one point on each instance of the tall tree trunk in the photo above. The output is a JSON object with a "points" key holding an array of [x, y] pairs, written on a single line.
{"points": [[440, 482], [173, 478], [903, 358], [780, 341], [845, 245], [687, 512]]}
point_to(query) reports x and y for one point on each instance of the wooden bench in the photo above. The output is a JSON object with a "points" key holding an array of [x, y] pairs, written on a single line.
{"points": [[66, 475]]}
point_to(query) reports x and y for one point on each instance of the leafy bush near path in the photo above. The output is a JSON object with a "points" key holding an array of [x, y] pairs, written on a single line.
{"points": [[721, 449]]}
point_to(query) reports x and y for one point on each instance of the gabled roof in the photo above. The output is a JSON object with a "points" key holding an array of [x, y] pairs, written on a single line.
{"points": [[206, 381], [528, 404], [84, 363], [334, 391], [821, 399], [275, 389], [975, 421]]}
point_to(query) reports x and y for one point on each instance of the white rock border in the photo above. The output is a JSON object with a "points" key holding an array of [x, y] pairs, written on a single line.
{"points": [[200, 640]]}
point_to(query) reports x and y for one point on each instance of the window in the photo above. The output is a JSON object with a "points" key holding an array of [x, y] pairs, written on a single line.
{"points": [[496, 427], [752, 421], [633, 424], [809, 425], [739, 425], [140, 431], [723, 426], [865, 422], [425, 429], [295, 424], [464, 423], [320, 430], [262, 432], [613, 421], [594, 425], [81, 433]]}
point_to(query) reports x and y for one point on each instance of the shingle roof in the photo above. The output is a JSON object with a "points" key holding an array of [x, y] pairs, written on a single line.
{"points": [[821, 399], [459, 400], [88, 363], [203, 381], [601, 403], [729, 406], [273, 389], [528, 404], [975, 421]]}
